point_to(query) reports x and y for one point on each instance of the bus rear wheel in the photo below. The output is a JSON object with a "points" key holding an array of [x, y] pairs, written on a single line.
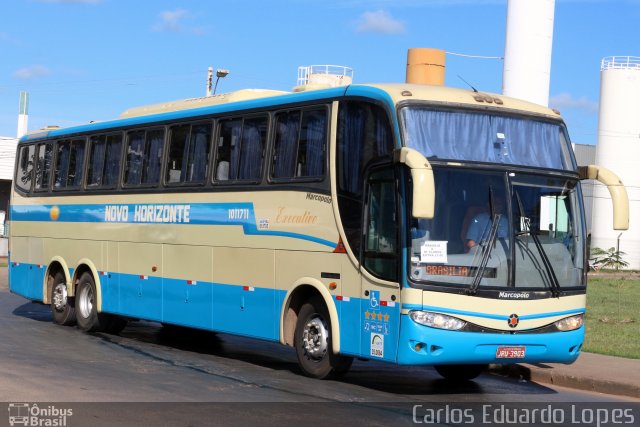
{"points": [[88, 318], [62, 308], [460, 372], [312, 341]]}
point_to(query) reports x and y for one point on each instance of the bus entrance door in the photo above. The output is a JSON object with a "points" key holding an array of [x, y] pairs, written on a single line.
{"points": [[379, 267]]}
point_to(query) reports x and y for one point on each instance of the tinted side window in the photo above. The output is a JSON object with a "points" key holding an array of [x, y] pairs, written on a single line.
{"points": [[144, 157], [188, 153], [286, 144], [254, 138], [43, 166], [24, 169], [96, 160], [300, 143], [104, 160], [69, 164], [111, 171], [364, 136], [240, 149], [311, 147], [228, 143]]}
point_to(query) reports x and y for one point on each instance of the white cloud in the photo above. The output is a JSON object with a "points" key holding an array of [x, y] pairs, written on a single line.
{"points": [[379, 22], [30, 73], [172, 21], [568, 101]]}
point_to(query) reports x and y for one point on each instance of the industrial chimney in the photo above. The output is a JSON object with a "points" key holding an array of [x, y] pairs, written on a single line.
{"points": [[426, 66]]}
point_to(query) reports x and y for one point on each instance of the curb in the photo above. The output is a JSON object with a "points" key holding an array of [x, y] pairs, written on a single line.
{"points": [[549, 375]]}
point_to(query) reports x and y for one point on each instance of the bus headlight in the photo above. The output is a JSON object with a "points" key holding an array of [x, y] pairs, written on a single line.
{"points": [[569, 323], [437, 320]]}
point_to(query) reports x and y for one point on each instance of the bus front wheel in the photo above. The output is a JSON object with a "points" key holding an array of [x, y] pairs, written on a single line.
{"points": [[460, 372], [62, 308], [312, 341]]}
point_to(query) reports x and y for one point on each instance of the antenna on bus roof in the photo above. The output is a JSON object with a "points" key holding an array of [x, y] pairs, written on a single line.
{"points": [[468, 84]]}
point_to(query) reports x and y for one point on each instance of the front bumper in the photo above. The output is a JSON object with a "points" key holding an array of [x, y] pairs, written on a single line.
{"points": [[440, 347]]}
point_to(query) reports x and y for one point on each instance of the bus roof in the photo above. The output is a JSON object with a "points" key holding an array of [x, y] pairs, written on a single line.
{"points": [[187, 104], [463, 97], [247, 99]]}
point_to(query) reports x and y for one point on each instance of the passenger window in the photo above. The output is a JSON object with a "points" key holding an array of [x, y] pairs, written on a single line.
{"points": [[69, 164], [104, 160], [311, 146], [43, 166], [24, 173], [228, 142], [144, 157], [188, 154], [286, 141], [300, 144], [240, 149]]}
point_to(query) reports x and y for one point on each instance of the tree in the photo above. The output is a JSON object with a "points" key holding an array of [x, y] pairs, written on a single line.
{"points": [[611, 258]]}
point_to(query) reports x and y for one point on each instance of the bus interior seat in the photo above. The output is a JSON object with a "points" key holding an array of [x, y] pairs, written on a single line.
{"points": [[222, 171], [174, 175]]}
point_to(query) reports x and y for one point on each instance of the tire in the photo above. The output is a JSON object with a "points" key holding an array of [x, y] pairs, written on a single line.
{"points": [[62, 307], [87, 316], [312, 341], [459, 373]]}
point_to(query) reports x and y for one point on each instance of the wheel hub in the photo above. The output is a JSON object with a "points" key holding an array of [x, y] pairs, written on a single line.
{"points": [[314, 338], [60, 296], [85, 301]]}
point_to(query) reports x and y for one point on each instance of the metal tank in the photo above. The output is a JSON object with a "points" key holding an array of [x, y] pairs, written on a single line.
{"points": [[618, 149], [527, 51]]}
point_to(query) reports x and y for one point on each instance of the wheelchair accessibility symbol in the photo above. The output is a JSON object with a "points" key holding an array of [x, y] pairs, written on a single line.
{"points": [[374, 299]]}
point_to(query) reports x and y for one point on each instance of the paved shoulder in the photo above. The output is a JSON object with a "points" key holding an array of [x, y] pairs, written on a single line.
{"points": [[592, 372]]}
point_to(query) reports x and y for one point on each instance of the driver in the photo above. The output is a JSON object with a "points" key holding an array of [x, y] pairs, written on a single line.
{"points": [[480, 224]]}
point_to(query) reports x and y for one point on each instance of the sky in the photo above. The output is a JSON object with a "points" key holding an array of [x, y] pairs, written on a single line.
{"points": [[84, 60]]}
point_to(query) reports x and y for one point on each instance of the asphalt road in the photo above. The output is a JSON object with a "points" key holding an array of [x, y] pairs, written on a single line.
{"points": [[165, 375]]}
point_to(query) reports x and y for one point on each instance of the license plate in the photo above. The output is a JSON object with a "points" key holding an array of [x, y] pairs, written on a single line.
{"points": [[510, 352]]}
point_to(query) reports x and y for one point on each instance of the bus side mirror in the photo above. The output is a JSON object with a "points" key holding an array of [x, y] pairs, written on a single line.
{"points": [[424, 189], [616, 189]]}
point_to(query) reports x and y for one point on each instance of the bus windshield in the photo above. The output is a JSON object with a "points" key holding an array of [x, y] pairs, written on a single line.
{"points": [[482, 137], [500, 230]]}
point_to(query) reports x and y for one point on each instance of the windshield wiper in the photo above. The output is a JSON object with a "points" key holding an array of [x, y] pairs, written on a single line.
{"points": [[554, 285], [553, 280], [486, 251]]}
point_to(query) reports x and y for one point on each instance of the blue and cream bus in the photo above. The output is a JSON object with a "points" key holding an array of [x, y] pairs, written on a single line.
{"points": [[405, 223]]}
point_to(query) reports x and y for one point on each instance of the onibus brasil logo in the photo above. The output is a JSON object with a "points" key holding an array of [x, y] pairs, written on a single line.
{"points": [[27, 414]]}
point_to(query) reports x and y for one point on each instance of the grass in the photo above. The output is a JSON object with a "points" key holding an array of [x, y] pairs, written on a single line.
{"points": [[613, 317]]}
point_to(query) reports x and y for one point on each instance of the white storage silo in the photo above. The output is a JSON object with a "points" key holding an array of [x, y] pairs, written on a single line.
{"points": [[618, 149], [527, 51]]}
